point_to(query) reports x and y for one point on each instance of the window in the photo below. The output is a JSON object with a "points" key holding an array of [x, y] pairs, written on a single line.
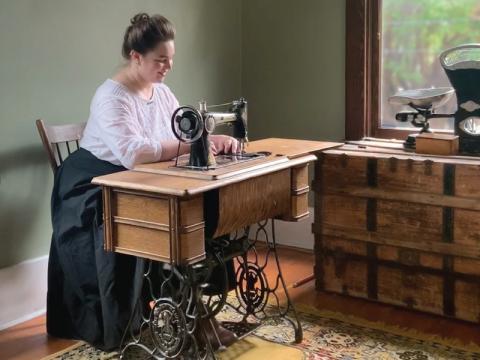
{"points": [[393, 45]]}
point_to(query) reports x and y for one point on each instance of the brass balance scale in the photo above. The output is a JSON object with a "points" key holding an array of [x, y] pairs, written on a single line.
{"points": [[462, 66]]}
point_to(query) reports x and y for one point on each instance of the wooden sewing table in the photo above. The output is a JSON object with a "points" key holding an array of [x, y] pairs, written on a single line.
{"points": [[163, 213]]}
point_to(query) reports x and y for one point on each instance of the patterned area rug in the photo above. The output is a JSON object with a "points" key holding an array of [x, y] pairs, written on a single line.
{"points": [[327, 336]]}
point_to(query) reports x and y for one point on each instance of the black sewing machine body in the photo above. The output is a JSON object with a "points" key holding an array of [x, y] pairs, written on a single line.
{"points": [[462, 67], [194, 127]]}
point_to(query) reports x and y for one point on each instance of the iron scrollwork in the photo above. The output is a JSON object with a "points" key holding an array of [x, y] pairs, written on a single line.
{"points": [[182, 298]]}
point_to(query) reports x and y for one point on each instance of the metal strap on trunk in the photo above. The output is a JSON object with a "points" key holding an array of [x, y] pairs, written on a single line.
{"points": [[372, 263], [448, 237]]}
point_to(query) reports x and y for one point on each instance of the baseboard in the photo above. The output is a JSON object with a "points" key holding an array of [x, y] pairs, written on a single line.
{"points": [[293, 234], [24, 291]]}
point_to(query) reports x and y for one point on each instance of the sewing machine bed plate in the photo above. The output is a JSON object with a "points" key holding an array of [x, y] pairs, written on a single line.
{"points": [[169, 168], [220, 160]]}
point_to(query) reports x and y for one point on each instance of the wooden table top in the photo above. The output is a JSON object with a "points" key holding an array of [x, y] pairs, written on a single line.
{"points": [[286, 153], [292, 148]]}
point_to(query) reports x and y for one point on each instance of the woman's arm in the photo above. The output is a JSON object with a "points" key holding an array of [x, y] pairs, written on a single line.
{"points": [[220, 144], [125, 137], [170, 149]]}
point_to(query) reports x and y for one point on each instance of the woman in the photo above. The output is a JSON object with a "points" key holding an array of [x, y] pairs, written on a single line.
{"points": [[91, 293]]}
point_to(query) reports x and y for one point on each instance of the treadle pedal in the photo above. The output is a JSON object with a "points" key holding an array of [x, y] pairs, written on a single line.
{"points": [[241, 329]]}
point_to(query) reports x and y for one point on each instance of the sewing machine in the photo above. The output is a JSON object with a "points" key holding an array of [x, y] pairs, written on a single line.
{"points": [[462, 66], [182, 217], [193, 126]]}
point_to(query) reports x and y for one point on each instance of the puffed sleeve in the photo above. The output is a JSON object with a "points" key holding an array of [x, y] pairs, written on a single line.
{"points": [[123, 134]]}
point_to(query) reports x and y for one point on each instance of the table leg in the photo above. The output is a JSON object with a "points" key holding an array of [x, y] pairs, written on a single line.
{"points": [[179, 299], [170, 319], [256, 296]]}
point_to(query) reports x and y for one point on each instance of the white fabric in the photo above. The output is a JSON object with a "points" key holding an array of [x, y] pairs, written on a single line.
{"points": [[125, 129]]}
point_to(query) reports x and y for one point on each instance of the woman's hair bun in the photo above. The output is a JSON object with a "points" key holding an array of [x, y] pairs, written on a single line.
{"points": [[145, 32], [140, 18]]}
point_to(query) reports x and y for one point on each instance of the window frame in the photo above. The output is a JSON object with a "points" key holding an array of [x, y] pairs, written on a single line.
{"points": [[363, 72]]}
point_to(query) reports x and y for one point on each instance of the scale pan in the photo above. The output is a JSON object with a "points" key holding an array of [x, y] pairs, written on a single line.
{"points": [[423, 98]]}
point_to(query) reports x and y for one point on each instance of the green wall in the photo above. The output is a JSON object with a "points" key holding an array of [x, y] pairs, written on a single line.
{"points": [[286, 57], [293, 56], [54, 53]]}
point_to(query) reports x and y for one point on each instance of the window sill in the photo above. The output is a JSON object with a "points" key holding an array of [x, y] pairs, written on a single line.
{"points": [[402, 133]]}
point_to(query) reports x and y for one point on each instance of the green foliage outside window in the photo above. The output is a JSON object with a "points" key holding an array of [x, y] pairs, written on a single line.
{"points": [[414, 34]]}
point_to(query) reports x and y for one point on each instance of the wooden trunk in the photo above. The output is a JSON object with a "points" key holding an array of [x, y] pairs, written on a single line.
{"points": [[399, 228]]}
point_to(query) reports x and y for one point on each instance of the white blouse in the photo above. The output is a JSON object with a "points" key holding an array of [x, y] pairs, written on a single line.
{"points": [[124, 128]]}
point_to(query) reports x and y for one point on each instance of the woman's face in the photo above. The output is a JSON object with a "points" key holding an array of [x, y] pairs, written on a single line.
{"points": [[155, 64]]}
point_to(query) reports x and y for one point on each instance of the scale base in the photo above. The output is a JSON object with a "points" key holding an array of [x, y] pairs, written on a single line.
{"points": [[411, 142]]}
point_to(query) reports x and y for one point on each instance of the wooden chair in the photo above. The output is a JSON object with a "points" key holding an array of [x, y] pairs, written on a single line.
{"points": [[59, 141]]}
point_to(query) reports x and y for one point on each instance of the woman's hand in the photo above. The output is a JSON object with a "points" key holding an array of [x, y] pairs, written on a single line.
{"points": [[223, 144]]}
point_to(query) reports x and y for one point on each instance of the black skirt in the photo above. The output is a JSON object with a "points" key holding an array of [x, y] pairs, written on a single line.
{"points": [[91, 293]]}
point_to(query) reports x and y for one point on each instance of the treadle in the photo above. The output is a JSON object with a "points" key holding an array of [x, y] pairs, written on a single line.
{"points": [[240, 328], [181, 298]]}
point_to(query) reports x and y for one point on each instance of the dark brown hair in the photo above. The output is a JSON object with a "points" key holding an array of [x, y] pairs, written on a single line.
{"points": [[145, 32]]}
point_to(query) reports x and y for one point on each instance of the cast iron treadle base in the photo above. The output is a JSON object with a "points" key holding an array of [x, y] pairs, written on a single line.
{"points": [[174, 322]]}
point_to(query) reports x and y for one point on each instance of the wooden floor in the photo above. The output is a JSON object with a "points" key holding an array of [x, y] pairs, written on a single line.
{"points": [[30, 341]]}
